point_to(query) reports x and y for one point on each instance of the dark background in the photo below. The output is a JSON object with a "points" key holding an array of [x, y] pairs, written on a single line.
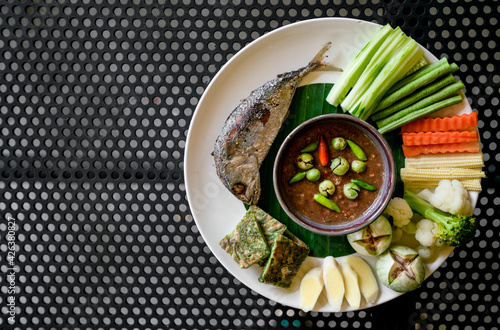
{"points": [[96, 98]]}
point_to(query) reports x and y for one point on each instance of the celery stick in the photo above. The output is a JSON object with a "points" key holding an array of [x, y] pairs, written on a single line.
{"points": [[389, 47], [390, 74], [413, 85], [415, 97], [405, 119], [355, 68], [439, 95]]}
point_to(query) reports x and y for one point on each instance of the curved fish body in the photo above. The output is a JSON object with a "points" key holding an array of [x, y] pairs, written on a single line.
{"points": [[251, 128]]}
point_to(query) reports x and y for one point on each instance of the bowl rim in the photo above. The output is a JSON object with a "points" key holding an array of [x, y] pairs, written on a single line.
{"points": [[382, 199]]}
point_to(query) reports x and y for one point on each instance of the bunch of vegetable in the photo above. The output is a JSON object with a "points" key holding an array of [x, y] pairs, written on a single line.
{"points": [[427, 90], [386, 58], [441, 135], [452, 229]]}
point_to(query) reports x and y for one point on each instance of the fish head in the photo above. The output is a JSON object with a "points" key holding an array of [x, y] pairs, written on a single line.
{"points": [[240, 174]]}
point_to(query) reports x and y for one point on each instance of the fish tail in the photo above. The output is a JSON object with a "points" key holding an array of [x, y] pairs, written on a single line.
{"points": [[318, 59], [318, 63]]}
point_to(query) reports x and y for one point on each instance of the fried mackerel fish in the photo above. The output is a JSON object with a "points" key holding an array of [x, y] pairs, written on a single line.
{"points": [[262, 240], [250, 129]]}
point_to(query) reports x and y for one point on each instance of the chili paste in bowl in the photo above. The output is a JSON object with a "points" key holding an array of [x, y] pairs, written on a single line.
{"points": [[334, 174]]}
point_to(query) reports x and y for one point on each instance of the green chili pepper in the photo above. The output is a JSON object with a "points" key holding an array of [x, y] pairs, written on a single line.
{"points": [[364, 185], [326, 202], [297, 177], [358, 152], [310, 147]]}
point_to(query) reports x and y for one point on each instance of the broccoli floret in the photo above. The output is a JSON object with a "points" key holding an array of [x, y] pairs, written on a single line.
{"points": [[451, 229]]}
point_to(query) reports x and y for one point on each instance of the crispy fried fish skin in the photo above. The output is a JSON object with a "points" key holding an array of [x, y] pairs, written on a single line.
{"points": [[251, 128]]}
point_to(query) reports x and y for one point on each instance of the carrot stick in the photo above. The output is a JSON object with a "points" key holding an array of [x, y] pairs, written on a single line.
{"points": [[422, 138], [455, 123], [410, 151], [323, 151]]}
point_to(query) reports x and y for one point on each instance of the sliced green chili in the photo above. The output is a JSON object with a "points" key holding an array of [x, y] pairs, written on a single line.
{"points": [[364, 185], [310, 147], [297, 177], [357, 150], [326, 202]]}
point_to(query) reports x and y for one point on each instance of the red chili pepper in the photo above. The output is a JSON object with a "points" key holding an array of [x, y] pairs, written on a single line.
{"points": [[323, 151]]}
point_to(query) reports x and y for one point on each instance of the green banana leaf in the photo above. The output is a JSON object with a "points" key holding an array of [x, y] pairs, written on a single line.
{"points": [[308, 102]]}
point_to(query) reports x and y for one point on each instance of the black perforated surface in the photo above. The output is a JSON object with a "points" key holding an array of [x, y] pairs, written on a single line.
{"points": [[95, 102]]}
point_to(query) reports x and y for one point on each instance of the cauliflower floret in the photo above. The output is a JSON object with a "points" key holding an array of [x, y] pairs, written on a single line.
{"points": [[449, 196], [425, 232], [400, 211], [426, 252]]}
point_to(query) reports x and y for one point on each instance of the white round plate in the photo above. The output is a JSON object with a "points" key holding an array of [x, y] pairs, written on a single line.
{"points": [[215, 210]]}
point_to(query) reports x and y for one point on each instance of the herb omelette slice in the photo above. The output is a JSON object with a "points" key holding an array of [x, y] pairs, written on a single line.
{"points": [[268, 224], [246, 244], [284, 262]]}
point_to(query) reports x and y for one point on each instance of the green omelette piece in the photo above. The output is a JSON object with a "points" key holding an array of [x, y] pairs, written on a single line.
{"points": [[294, 239], [246, 244], [268, 224], [288, 234], [284, 262]]}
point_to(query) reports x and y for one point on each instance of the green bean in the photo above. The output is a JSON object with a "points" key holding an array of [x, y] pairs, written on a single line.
{"points": [[399, 119], [357, 150], [310, 147], [415, 97], [297, 177], [363, 185], [326, 202]]}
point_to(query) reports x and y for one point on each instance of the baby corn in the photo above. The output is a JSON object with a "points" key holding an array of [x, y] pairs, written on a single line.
{"points": [[426, 174], [458, 160]]}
